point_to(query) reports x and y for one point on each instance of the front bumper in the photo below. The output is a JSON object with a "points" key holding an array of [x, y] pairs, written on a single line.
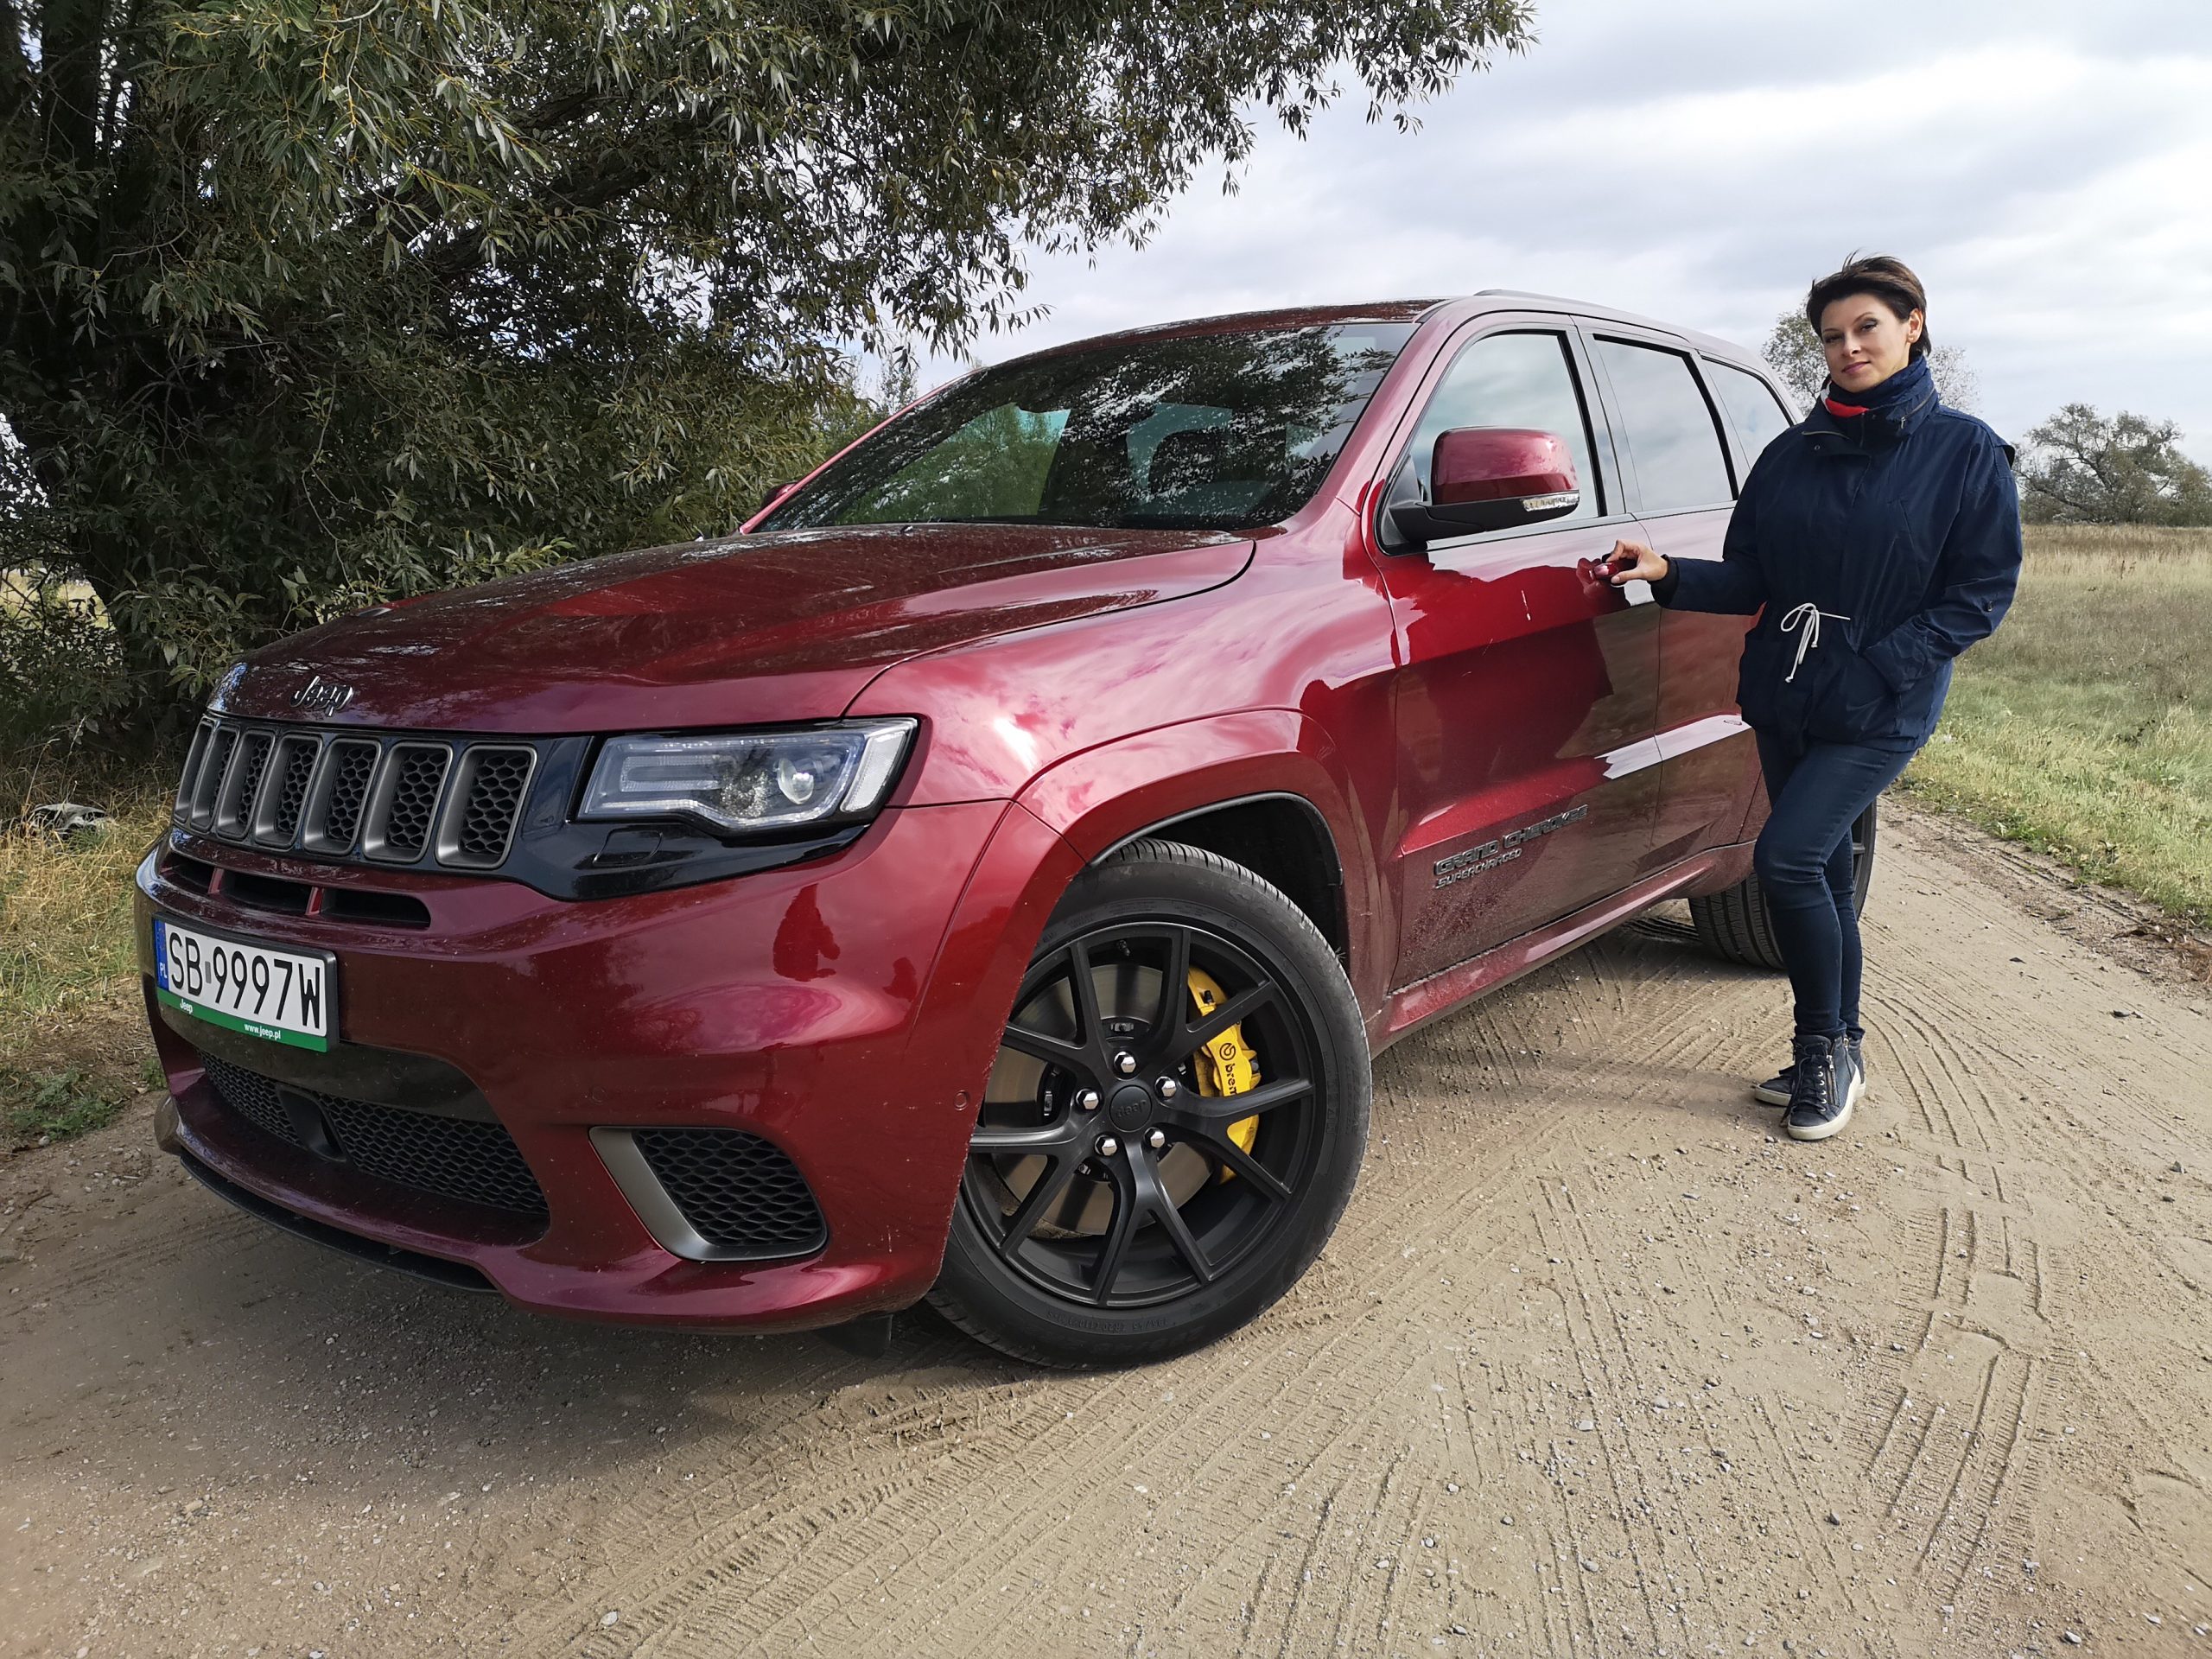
{"points": [[846, 1010]]}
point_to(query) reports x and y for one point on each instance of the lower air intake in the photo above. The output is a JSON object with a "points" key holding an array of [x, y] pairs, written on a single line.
{"points": [[737, 1192], [453, 1156]]}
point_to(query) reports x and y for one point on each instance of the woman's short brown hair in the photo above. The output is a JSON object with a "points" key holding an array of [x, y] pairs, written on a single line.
{"points": [[1888, 280]]}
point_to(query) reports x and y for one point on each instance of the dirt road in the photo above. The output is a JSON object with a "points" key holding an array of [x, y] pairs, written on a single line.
{"points": [[1596, 1365]]}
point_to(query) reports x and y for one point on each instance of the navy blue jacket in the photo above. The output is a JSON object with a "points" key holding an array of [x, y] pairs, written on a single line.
{"points": [[1878, 557]]}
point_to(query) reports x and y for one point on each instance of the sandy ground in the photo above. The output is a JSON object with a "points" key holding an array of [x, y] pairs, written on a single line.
{"points": [[1597, 1364]]}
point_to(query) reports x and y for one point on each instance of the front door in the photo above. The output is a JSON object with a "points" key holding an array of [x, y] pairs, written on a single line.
{"points": [[1668, 430], [1528, 686]]}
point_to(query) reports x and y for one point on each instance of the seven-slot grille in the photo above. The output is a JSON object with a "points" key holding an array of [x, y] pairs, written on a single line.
{"points": [[389, 800]]}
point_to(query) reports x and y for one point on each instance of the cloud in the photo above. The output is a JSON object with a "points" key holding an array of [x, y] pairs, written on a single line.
{"points": [[2042, 167]]}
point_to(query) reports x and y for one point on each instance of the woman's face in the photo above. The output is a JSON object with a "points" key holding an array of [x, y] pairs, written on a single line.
{"points": [[1866, 342]]}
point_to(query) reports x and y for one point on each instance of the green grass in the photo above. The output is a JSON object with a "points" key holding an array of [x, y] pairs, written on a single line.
{"points": [[2083, 727]]}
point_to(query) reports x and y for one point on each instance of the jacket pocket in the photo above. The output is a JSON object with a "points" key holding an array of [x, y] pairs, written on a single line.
{"points": [[1856, 702], [1759, 681]]}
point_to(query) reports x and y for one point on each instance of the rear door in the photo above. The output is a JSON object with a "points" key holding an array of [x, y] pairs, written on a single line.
{"points": [[1528, 686], [1682, 476]]}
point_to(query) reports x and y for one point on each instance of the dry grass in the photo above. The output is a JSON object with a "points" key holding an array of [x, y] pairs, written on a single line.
{"points": [[2083, 727], [72, 1049]]}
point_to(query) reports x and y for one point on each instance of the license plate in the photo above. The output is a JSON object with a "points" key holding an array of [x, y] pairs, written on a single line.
{"points": [[279, 994]]}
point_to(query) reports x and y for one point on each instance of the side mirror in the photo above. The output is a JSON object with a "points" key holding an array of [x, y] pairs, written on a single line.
{"points": [[776, 493], [1491, 478]]}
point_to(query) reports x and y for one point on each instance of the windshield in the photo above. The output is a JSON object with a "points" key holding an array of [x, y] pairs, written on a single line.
{"points": [[1204, 432]]}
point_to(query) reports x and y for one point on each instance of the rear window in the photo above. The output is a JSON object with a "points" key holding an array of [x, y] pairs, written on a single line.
{"points": [[1753, 409], [1223, 431], [1664, 420]]}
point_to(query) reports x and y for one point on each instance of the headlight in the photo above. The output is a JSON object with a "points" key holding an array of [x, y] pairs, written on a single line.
{"points": [[742, 781]]}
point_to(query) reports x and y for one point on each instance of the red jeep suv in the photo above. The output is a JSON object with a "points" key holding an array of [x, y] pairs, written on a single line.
{"points": [[987, 876]]}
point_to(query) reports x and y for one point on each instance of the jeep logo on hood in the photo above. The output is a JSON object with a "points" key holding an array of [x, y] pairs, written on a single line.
{"points": [[323, 697]]}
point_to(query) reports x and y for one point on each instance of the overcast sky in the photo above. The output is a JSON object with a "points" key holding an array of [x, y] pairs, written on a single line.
{"points": [[2046, 168]]}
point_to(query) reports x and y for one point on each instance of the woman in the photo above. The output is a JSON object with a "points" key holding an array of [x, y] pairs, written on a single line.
{"points": [[1879, 538]]}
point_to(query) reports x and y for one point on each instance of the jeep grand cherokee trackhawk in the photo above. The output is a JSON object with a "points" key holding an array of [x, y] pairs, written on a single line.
{"points": [[986, 876]]}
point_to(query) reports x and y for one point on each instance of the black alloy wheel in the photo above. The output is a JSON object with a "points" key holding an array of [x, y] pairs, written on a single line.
{"points": [[1736, 923], [1172, 1123]]}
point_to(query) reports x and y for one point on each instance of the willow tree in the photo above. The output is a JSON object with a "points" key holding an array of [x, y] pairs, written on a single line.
{"points": [[304, 302]]}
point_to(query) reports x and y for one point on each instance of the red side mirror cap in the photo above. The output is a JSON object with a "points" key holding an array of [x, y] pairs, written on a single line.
{"points": [[1491, 478], [1498, 463]]}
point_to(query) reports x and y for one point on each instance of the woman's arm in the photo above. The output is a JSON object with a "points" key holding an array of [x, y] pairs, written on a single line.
{"points": [[1977, 572]]}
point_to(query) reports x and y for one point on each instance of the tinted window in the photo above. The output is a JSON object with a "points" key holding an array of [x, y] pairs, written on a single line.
{"points": [[1663, 420], [1207, 431], [1755, 411], [1509, 380]]}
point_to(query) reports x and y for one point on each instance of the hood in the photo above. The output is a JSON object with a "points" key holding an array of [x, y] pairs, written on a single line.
{"points": [[743, 631]]}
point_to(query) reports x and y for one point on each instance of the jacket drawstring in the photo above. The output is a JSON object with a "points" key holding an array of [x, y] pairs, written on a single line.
{"points": [[1805, 622]]}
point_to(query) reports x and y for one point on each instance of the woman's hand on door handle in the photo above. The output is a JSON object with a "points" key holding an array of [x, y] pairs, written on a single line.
{"points": [[1633, 561]]}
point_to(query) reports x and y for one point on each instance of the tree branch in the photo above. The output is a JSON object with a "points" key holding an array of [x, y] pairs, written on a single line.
{"points": [[18, 65]]}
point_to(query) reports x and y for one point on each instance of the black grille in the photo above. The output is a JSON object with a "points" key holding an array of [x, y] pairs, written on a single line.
{"points": [[454, 1157], [736, 1190], [491, 787], [395, 799], [198, 753], [214, 761], [344, 791], [236, 812], [252, 1096], [408, 800], [279, 821]]}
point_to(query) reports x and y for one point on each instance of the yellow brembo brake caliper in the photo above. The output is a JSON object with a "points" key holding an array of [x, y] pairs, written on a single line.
{"points": [[1226, 1065]]}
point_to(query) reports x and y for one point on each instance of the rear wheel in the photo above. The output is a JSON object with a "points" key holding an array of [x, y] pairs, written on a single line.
{"points": [[1172, 1124], [1736, 923]]}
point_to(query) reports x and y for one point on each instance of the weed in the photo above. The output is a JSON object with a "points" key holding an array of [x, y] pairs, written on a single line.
{"points": [[44, 1106]]}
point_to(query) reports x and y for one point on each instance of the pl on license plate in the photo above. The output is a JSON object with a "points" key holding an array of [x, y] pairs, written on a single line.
{"points": [[279, 994]]}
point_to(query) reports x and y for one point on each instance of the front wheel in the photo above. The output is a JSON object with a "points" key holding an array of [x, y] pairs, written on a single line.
{"points": [[1736, 923], [1173, 1122]]}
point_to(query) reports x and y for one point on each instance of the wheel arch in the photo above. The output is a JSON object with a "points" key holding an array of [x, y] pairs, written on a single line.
{"points": [[1278, 835], [1262, 788]]}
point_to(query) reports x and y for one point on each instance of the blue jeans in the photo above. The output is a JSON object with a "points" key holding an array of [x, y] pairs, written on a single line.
{"points": [[1804, 864]]}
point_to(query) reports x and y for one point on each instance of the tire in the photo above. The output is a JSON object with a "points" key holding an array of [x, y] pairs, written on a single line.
{"points": [[1062, 1253], [1735, 923]]}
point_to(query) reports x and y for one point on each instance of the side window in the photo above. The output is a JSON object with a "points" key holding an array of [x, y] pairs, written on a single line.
{"points": [[1525, 379], [1663, 420], [1753, 409]]}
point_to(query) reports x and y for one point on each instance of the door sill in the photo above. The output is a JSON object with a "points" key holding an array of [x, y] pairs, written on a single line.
{"points": [[1413, 1007]]}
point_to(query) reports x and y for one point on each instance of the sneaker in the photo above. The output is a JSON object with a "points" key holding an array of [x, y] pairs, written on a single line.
{"points": [[1775, 1091], [1826, 1086]]}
